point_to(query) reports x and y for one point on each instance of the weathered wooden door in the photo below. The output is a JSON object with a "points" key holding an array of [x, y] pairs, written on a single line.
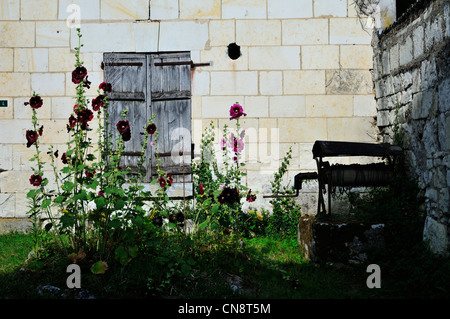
{"points": [[146, 84], [171, 102]]}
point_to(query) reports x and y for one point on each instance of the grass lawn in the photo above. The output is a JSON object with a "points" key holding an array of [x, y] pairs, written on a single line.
{"points": [[262, 268]]}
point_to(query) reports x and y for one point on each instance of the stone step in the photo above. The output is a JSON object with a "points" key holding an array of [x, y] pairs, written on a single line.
{"points": [[21, 225]]}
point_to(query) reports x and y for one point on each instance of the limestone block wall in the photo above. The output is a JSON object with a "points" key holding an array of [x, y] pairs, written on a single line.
{"points": [[411, 72], [303, 74]]}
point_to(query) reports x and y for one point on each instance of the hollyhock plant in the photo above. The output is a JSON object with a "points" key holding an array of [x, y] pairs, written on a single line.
{"points": [[236, 111], [36, 180], [94, 185]]}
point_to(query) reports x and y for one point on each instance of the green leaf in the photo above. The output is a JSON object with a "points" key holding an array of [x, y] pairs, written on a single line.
{"points": [[100, 267], [215, 208], [46, 203], [32, 193], [119, 204], [93, 185], [115, 223], [80, 196], [67, 186], [60, 199], [185, 269], [67, 220], [121, 254], [48, 227], [99, 202], [133, 251], [66, 170]]}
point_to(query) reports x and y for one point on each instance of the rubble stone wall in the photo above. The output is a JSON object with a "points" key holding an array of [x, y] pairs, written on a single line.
{"points": [[412, 88]]}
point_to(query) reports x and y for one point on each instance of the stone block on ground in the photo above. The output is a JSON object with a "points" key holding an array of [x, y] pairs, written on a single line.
{"points": [[338, 240]]}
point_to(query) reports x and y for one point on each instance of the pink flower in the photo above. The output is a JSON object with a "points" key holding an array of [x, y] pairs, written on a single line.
{"points": [[236, 111], [223, 143], [237, 145]]}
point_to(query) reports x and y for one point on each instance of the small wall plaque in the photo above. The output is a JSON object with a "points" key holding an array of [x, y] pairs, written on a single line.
{"points": [[3, 103]]}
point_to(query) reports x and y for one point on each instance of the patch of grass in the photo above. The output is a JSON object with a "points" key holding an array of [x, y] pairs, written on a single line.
{"points": [[225, 267], [14, 249]]}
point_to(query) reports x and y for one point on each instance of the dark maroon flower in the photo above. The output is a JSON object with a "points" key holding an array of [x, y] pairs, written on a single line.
{"points": [[79, 74], [228, 195], [64, 158], [56, 153], [101, 194], [124, 129], [162, 182], [250, 197], [41, 129], [89, 173], [123, 126], [179, 217], [36, 102], [77, 109], [236, 111], [32, 137], [126, 136], [72, 121], [105, 86], [200, 189], [158, 221], [169, 179], [85, 115], [87, 83], [97, 102], [35, 180], [151, 128]]}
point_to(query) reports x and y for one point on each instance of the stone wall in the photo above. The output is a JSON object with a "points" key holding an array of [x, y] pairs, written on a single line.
{"points": [[412, 74], [304, 74]]}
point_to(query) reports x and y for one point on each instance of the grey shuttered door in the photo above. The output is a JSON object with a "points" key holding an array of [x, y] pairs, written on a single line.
{"points": [[145, 84], [171, 102]]}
